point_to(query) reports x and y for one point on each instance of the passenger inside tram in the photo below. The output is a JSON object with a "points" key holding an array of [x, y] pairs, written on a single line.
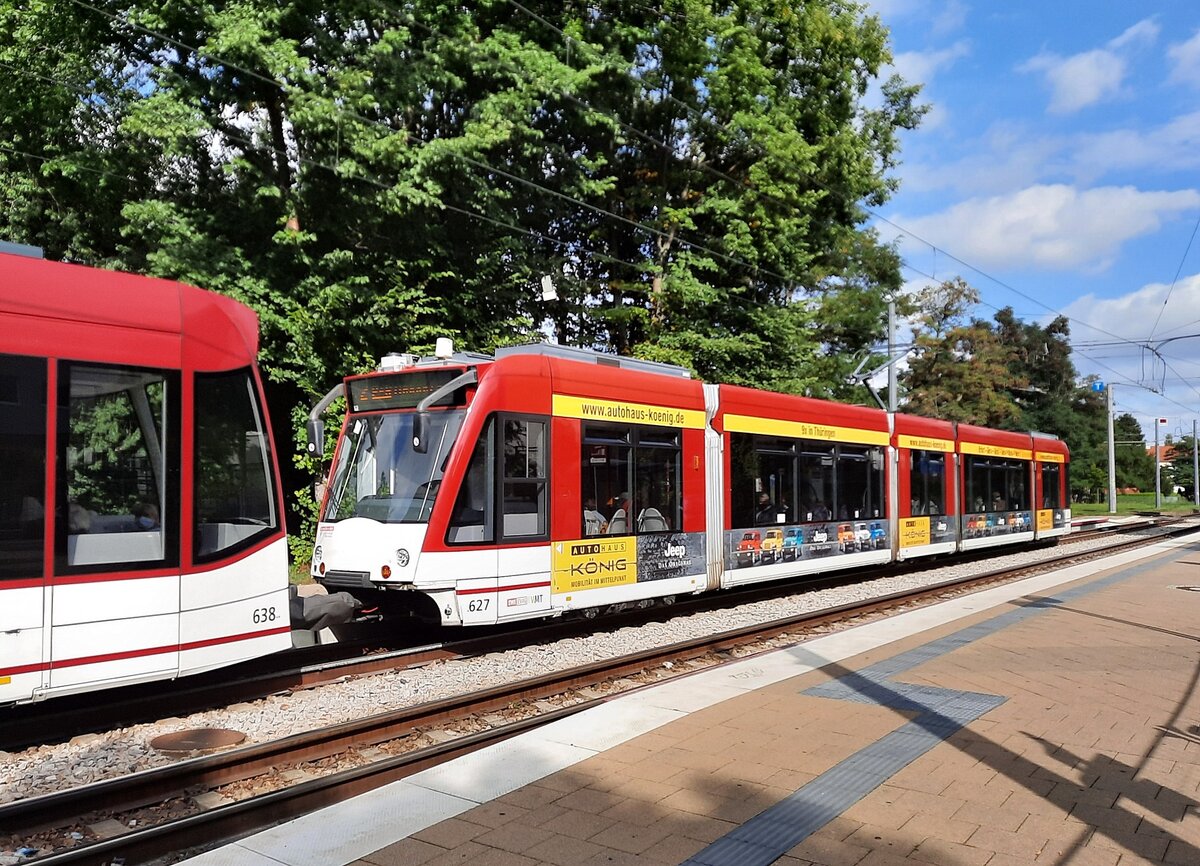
{"points": [[594, 522], [142, 517]]}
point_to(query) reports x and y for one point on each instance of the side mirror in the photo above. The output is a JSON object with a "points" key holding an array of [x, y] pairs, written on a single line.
{"points": [[316, 436], [420, 433]]}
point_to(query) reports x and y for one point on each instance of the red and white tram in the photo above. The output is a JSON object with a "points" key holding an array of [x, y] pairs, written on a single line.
{"points": [[141, 534], [472, 489]]}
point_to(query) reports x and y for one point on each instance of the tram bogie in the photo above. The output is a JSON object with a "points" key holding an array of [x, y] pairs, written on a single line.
{"points": [[547, 480]]}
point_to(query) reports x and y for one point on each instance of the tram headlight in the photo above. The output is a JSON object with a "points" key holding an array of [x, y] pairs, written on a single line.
{"points": [[402, 557], [386, 571]]}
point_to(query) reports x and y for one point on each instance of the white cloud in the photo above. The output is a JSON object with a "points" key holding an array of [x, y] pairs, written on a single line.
{"points": [[1010, 156], [920, 67], [1080, 80], [1155, 309], [1007, 156], [1185, 61], [1049, 226], [1173, 146], [1145, 32], [944, 16], [1091, 76]]}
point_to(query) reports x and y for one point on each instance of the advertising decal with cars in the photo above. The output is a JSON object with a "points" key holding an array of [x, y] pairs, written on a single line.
{"points": [[598, 562], [766, 545], [997, 523]]}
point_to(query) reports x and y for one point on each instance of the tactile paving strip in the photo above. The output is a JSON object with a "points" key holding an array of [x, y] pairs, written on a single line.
{"points": [[939, 714]]}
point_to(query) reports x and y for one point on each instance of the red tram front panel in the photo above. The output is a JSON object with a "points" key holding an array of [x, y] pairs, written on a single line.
{"points": [[996, 486], [1052, 491], [927, 506], [123, 561], [805, 485], [568, 484]]}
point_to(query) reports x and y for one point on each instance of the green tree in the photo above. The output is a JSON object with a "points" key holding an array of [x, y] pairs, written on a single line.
{"points": [[1135, 463], [960, 368], [369, 176], [1181, 473], [1087, 437]]}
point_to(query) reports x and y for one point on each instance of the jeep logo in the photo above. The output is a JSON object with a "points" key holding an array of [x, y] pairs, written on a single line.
{"points": [[675, 550]]}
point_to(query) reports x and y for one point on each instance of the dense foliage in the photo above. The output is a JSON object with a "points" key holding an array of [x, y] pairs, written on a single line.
{"points": [[370, 175], [1016, 376]]}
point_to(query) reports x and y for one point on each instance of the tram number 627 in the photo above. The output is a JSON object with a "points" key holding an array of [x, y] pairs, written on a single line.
{"points": [[264, 614], [478, 605]]}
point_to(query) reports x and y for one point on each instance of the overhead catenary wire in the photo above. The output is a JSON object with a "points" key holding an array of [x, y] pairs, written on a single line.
{"points": [[704, 117], [1175, 279], [856, 202], [792, 279]]}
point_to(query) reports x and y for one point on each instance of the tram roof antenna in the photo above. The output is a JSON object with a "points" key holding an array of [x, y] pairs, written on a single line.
{"points": [[858, 377]]}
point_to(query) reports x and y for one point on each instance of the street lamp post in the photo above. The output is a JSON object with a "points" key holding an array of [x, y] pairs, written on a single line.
{"points": [[1157, 468], [1112, 456]]}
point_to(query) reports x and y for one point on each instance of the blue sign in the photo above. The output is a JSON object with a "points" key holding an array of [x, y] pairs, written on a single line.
{"points": [[1097, 386]]}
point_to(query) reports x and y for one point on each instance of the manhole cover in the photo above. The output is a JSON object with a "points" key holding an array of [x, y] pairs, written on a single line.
{"points": [[197, 740]]}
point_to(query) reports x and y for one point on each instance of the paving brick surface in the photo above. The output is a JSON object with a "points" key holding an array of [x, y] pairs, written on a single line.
{"points": [[1092, 758]]}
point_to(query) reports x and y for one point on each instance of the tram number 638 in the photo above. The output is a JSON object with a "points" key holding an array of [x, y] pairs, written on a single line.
{"points": [[264, 614], [478, 605]]}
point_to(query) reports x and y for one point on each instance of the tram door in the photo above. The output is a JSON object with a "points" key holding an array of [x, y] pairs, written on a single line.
{"points": [[115, 596], [23, 591], [524, 517]]}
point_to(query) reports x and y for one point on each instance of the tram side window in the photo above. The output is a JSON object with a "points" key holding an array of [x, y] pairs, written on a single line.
{"points": [[780, 481], [630, 479], [23, 452], [860, 482], [927, 482], [119, 450], [769, 492], [818, 482], [525, 478], [471, 520], [235, 496], [1051, 488], [996, 485]]}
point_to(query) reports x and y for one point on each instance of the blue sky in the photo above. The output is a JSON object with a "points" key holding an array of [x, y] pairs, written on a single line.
{"points": [[1060, 162]]}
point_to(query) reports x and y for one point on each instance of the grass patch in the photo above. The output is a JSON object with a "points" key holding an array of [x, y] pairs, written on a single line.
{"points": [[298, 573], [1131, 503]]}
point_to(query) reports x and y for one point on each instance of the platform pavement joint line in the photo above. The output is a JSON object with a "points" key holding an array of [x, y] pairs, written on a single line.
{"points": [[940, 713]]}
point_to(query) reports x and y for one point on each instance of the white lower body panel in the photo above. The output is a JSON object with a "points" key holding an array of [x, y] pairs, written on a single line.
{"points": [[784, 570], [996, 540], [926, 550], [236, 612]]}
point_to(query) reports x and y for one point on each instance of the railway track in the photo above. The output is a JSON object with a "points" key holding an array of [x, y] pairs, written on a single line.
{"points": [[63, 718], [496, 713]]}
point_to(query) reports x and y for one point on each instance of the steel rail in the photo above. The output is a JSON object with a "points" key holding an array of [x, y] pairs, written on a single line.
{"points": [[154, 786], [64, 717]]}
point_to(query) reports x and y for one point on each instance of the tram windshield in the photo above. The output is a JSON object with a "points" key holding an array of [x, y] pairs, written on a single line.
{"points": [[381, 477]]}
